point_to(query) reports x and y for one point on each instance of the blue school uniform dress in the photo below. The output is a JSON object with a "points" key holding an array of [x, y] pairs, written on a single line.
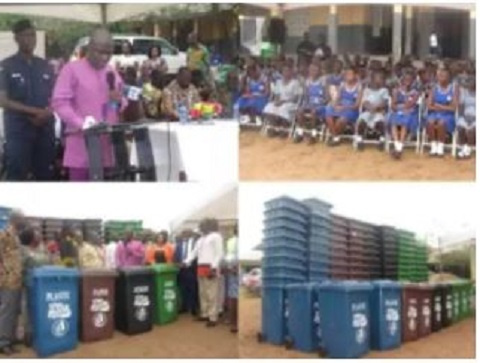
{"points": [[347, 98], [316, 97], [443, 97], [259, 99], [335, 79], [409, 119]]}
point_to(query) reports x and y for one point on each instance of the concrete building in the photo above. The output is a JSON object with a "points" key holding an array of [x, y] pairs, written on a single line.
{"points": [[379, 29]]}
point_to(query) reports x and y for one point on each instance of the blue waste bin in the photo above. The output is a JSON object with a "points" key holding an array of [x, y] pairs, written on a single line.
{"points": [[303, 321], [385, 312], [274, 314], [345, 318], [53, 309]]}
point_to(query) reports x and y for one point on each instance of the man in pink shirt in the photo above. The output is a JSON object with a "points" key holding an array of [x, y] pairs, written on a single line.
{"points": [[130, 252], [88, 91]]}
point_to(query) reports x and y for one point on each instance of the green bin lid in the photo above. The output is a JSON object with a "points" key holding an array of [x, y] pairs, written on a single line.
{"points": [[163, 268]]}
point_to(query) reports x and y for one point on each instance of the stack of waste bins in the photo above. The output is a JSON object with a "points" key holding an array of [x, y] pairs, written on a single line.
{"points": [[318, 240], [412, 257], [364, 249], [341, 316], [339, 248], [388, 252], [284, 262]]}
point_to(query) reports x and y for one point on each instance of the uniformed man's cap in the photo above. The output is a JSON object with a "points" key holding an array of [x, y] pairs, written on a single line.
{"points": [[22, 25]]}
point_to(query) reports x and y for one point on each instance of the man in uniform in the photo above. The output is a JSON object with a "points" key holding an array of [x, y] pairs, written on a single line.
{"points": [[26, 83]]}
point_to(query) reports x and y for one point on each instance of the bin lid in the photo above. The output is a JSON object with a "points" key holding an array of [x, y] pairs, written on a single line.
{"points": [[98, 272], [304, 286], [424, 286], [386, 284], [347, 286], [54, 271], [162, 268], [136, 270]]}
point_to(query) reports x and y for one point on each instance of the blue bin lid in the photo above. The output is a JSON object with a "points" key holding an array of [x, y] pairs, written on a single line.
{"points": [[347, 286], [55, 271], [306, 285], [386, 284]]}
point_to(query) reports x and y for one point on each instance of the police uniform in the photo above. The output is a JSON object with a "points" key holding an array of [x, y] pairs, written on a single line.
{"points": [[29, 150]]}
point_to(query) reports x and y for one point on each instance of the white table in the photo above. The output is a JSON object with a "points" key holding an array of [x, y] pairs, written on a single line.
{"points": [[206, 152]]}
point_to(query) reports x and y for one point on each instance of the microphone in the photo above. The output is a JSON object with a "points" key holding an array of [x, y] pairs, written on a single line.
{"points": [[113, 105], [111, 80]]}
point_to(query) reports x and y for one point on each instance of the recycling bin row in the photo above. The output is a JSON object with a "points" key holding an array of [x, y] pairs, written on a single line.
{"points": [[345, 319], [68, 305]]}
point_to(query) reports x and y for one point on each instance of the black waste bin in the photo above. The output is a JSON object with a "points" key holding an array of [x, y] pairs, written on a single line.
{"points": [[135, 297], [437, 307], [447, 304]]}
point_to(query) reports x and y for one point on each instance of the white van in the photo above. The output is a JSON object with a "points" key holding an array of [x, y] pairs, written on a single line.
{"points": [[140, 45]]}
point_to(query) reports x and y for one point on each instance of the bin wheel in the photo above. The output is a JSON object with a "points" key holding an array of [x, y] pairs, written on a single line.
{"points": [[260, 338], [289, 343], [321, 353]]}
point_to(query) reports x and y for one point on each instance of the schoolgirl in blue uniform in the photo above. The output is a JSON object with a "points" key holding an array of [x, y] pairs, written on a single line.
{"points": [[255, 93], [345, 109], [404, 116], [313, 108], [442, 105], [336, 77]]}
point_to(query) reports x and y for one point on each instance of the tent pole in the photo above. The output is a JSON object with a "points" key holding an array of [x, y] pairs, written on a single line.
{"points": [[103, 13]]}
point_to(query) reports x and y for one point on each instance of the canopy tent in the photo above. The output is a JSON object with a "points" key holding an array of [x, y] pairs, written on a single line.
{"points": [[289, 7], [222, 206], [110, 13]]}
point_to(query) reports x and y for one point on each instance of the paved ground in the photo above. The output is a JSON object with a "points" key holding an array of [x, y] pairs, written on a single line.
{"points": [[457, 341], [262, 158], [182, 339]]}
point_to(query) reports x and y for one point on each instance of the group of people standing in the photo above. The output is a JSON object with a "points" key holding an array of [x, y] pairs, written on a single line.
{"points": [[207, 269]]}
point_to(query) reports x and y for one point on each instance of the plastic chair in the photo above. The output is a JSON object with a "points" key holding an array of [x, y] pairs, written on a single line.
{"points": [[355, 143]]}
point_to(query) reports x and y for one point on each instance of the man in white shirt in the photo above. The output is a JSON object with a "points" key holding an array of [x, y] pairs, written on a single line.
{"points": [[209, 253], [110, 255]]}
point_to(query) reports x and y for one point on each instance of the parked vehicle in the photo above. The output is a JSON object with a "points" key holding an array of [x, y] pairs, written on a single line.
{"points": [[140, 46], [253, 280]]}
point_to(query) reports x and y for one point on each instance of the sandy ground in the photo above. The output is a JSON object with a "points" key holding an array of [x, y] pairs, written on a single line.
{"points": [[457, 341], [263, 158], [183, 339]]}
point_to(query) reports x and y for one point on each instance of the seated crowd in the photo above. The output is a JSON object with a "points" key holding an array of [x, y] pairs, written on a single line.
{"points": [[362, 98]]}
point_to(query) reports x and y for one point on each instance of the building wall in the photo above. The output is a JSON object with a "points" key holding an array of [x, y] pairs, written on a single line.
{"points": [[356, 27]]}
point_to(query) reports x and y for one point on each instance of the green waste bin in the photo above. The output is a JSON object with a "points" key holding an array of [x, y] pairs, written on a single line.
{"points": [[457, 287], [465, 293], [166, 293]]}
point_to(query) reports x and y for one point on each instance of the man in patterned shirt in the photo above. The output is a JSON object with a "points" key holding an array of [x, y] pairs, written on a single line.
{"points": [[10, 281], [180, 91]]}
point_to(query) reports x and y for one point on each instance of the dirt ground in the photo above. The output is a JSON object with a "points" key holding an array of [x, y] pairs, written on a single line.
{"points": [[183, 339], [263, 158], [457, 341]]}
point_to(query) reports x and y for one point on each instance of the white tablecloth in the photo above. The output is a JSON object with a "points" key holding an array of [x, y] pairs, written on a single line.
{"points": [[206, 152]]}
